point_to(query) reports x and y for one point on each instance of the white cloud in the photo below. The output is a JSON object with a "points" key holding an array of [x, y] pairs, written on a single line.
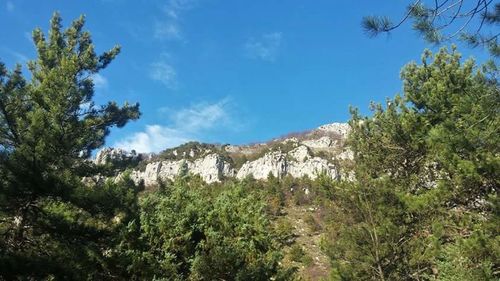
{"points": [[169, 28], [100, 81], [202, 116], [165, 73], [180, 5], [185, 125], [10, 6], [172, 14], [266, 47], [155, 138]]}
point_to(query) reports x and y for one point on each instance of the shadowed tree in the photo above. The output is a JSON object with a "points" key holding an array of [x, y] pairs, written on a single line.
{"points": [[49, 125]]}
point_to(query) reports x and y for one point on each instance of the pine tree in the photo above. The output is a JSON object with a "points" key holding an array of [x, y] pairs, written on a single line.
{"points": [[49, 125], [425, 202], [439, 21]]}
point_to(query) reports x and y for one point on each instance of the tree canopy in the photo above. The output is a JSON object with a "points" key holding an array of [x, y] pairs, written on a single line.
{"points": [[424, 205], [49, 125]]}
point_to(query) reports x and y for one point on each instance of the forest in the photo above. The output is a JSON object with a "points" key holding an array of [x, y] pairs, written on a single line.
{"points": [[422, 203]]}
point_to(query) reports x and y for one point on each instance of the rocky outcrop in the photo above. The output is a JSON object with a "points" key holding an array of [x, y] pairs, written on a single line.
{"points": [[346, 154], [312, 168], [271, 163], [116, 155], [323, 142], [296, 163], [214, 164], [300, 153], [341, 129], [211, 168]]}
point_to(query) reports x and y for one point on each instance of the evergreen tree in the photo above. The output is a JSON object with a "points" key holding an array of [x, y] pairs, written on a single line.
{"points": [[50, 224], [195, 235], [425, 202]]}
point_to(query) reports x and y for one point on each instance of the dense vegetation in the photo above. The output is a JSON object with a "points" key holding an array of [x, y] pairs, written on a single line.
{"points": [[423, 205], [425, 202], [50, 223], [55, 227]]}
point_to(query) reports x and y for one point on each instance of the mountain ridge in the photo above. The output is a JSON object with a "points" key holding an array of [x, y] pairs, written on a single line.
{"points": [[311, 153]]}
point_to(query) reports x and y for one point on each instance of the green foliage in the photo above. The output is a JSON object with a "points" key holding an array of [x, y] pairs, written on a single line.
{"points": [[191, 150], [193, 235], [111, 168], [307, 260], [52, 226], [424, 205], [312, 223], [364, 238], [296, 253], [284, 231]]}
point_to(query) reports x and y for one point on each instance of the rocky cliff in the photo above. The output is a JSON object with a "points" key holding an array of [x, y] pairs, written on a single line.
{"points": [[319, 151]]}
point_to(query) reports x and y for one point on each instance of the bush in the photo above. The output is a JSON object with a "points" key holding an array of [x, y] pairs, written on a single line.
{"points": [[296, 253], [312, 223], [307, 260], [285, 231]]}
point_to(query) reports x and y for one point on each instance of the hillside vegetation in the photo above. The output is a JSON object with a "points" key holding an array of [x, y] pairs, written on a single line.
{"points": [[421, 204]]}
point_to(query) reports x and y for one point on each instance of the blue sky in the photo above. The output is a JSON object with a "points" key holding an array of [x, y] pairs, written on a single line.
{"points": [[229, 71]]}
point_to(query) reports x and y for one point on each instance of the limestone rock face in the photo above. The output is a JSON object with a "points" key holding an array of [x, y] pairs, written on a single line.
{"points": [[323, 142], [297, 163], [93, 180], [273, 162], [312, 168], [150, 175], [109, 154], [346, 155], [302, 163], [341, 129], [212, 168], [171, 169], [295, 156], [300, 153]]}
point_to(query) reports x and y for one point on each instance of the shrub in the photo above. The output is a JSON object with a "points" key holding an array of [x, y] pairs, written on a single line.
{"points": [[296, 253]]}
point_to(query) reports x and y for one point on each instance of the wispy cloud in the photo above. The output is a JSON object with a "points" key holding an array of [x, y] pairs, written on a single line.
{"points": [[265, 47], [169, 27], [167, 30], [182, 5], [100, 81], [163, 71], [20, 57], [9, 6], [17, 56], [201, 117], [28, 36], [184, 125]]}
